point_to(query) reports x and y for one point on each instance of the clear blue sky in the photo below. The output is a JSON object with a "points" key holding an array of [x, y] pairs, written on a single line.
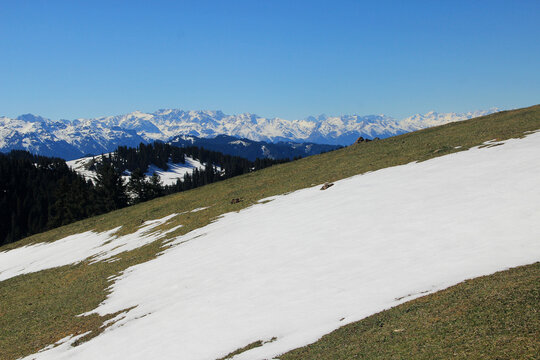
{"points": [[68, 59]]}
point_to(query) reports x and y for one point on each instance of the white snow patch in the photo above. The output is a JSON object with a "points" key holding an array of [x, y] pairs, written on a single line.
{"points": [[175, 171], [168, 177], [239, 142], [80, 166], [294, 267], [114, 319], [76, 248], [64, 343]]}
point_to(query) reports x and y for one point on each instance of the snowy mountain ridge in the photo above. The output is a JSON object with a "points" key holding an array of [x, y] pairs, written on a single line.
{"points": [[72, 139], [164, 123]]}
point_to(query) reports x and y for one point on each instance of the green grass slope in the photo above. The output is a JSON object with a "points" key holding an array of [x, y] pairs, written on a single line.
{"points": [[492, 317], [40, 308]]}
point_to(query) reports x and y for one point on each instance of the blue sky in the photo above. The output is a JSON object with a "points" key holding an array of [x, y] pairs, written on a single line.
{"points": [[69, 59]]}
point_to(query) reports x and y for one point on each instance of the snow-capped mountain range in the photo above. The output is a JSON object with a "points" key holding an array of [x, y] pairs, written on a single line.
{"points": [[72, 139]]}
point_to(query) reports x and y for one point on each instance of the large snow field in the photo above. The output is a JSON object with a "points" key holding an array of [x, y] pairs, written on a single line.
{"points": [[308, 262], [76, 248]]}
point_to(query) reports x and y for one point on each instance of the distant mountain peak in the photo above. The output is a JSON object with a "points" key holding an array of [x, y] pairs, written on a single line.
{"points": [[32, 118]]}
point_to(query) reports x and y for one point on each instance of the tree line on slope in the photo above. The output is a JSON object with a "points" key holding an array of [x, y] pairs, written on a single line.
{"points": [[161, 154], [38, 193]]}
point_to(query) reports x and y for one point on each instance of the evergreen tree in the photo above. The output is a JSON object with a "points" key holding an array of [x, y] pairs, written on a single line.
{"points": [[110, 187], [156, 189], [39, 193], [138, 187]]}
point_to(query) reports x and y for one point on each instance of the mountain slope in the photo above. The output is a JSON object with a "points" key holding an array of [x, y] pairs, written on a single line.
{"points": [[77, 138], [251, 149], [168, 177], [492, 317], [89, 288], [242, 278], [64, 139]]}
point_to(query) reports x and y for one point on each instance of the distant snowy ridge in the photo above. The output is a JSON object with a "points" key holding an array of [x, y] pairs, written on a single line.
{"points": [[164, 124], [65, 139], [432, 118], [76, 138]]}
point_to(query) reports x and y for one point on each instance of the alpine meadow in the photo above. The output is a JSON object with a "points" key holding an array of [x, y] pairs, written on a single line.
{"points": [[237, 279], [269, 180]]}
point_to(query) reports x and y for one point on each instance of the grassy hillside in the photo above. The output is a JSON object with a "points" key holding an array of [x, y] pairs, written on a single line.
{"points": [[39, 309], [492, 317]]}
